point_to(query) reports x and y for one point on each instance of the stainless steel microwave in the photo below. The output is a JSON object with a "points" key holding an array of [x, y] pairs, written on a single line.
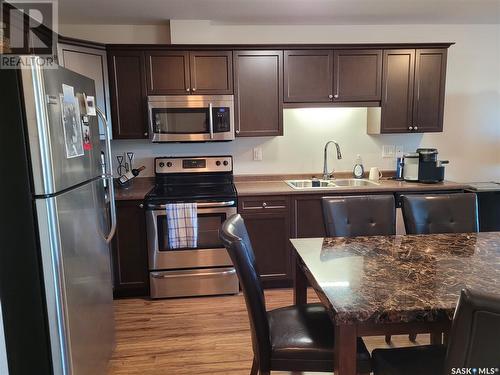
{"points": [[191, 118]]}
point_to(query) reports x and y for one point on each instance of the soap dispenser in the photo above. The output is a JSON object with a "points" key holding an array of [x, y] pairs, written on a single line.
{"points": [[358, 170]]}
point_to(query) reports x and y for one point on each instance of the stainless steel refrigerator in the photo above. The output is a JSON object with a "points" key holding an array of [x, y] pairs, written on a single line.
{"points": [[60, 281]]}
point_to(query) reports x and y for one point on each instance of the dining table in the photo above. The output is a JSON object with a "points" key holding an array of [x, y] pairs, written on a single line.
{"points": [[388, 285]]}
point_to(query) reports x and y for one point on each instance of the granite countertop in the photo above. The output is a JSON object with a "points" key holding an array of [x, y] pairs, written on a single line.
{"points": [[409, 278], [274, 185], [249, 188], [137, 191]]}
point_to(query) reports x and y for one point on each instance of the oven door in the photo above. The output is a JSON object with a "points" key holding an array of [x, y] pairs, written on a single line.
{"points": [[209, 251], [191, 118]]}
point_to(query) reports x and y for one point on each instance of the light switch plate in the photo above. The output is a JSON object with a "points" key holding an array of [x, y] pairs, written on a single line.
{"points": [[388, 151], [257, 154]]}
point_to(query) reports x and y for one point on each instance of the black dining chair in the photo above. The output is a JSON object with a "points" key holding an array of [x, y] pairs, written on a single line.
{"points": [[293, 338], [474, 343], [360, 215], [440, 213]]}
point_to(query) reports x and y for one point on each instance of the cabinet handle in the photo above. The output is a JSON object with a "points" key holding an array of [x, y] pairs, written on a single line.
{"points": [[146, 134], [265, 206], [410, 127], [237, 131], [416, 128], [330, 96], [141, 206], [194, 89], [336, 96], [188, 89]]}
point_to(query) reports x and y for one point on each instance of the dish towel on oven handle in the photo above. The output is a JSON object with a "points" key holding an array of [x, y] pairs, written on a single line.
{"points": [[182, 224]]}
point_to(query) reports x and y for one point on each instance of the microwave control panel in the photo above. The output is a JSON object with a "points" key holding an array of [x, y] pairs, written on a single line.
{"points": [[221, 119]]}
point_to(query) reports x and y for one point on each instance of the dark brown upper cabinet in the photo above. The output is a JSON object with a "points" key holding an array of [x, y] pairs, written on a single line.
{"points": [[308, 76], [258, 89], [183, 72], [211, 72], [413, 86], [397, 91], [168, 73], [357, 75], [128, 94], [428, 97]]}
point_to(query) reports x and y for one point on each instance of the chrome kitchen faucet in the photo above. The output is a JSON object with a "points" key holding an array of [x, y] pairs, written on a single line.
{"points": [[327, 175]]}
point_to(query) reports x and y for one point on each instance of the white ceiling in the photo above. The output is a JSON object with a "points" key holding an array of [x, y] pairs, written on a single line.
{"points": [[362, 12]]}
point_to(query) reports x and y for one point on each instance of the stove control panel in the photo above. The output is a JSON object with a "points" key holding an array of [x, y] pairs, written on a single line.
{"points": [[195, 164]]}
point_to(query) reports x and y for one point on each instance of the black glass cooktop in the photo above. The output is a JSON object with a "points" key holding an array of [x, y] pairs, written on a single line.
{"points": [[186, 193]]}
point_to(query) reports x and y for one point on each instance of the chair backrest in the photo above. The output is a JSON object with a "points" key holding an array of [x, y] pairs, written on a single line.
{"points": [[474, 339], [363, 215], [440, 213], [235, 238]]}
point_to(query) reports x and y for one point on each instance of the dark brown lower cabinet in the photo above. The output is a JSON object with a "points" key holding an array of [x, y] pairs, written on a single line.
{"points": [[129, 253], [307, 216], [268, 224]]}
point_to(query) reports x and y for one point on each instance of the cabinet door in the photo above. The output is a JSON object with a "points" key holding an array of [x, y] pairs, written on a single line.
{"points": [[397, 91], [92, 63], [428, 98], [128, 94], [211, 72], [167, 72], [308, 218], [308, 76], [130, 258], [268, 224], [357, 75], [258, 89]]}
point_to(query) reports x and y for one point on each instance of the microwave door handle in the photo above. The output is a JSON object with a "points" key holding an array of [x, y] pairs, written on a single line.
{"points": [[211, 120], [109, 175]]}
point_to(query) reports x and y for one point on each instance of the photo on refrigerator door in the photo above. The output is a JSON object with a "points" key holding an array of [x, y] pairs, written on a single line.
{"points": [[73, 137]]}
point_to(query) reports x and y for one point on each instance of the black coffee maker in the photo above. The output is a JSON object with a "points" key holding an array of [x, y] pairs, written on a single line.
{"points": [[430, 170]]}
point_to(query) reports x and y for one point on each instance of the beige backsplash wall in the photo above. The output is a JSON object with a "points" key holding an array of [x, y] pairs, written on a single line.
{"points": [[300, 149], [471, 137]]}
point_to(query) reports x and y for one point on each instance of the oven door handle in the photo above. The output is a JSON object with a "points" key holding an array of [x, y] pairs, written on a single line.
{"points": [[199, 205], [155, 275], [211, 120]]}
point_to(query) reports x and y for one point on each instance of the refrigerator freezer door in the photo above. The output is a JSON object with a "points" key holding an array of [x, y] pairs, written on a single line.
{"points": [[55, 170], [3, 350], [77, 275]]}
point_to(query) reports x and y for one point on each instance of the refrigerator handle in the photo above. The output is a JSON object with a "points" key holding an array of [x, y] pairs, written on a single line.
{"points": [[109, 176]]}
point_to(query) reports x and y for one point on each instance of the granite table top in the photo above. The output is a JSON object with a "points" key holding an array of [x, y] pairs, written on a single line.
{"points": [[396, 279]]}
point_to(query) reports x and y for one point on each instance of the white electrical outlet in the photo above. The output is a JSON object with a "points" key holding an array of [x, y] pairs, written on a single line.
{"points": [[399, 151], [257, 154], [388, 151]]}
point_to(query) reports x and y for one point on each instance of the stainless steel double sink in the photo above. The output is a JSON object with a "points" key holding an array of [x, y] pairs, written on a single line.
{"points": [[315, 184]]}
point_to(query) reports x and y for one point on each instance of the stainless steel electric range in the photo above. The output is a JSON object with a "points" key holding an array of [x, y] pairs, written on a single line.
{"points": [[205, 269]]}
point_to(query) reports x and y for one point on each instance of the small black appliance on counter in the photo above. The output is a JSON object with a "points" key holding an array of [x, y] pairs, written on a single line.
{"points": [[430, 170]]}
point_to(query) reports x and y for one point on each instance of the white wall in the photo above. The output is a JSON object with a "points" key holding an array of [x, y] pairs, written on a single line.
{"points": [[471, 137], [118, 33]]}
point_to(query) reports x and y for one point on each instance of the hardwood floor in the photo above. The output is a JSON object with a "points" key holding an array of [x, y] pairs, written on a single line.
{"points": [[207, 335]]}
